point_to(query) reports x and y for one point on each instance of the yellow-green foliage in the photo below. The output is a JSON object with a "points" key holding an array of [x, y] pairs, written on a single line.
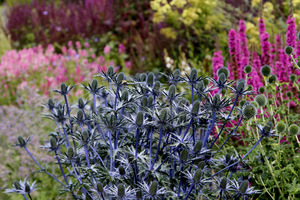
{"points": [[200, 15], [274, 23], [4, 41]]}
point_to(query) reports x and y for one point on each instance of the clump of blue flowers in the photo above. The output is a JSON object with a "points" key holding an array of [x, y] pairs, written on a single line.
{"points": [[138, 138]]}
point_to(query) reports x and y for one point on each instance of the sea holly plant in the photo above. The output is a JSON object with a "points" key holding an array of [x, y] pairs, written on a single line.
{"points": [[145, 140]]}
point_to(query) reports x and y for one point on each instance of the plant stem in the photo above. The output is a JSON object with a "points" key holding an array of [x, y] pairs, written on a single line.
{"points": [[61, 169], [210, 129], [158, 147]]}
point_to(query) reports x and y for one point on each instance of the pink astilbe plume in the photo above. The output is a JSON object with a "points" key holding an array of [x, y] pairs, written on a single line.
{"points": [[265, 49], [291, 32], [243, 43], [261, 26], [234, 52]]}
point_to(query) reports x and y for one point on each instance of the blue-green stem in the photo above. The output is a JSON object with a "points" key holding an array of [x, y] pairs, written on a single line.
{"points": [[190, 190], [61, 169], [210, 128], [158, 147], [241, 158], [43, 169], [95, 105], [65, 132], [24, 196], [231, 133], [236, 99], [116, 99], [87, 156], [192, 88], [111, 152]]}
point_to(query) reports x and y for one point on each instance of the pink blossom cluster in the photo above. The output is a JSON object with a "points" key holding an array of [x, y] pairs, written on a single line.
{"points": [[271, 54], [44, 69]]}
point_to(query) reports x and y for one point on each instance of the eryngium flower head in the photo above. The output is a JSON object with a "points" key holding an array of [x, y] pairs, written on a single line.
{"points": [[223, 70], [288, 50], [248, 69], [153, 191], [261, 90], [261, 100], [249, 110], [22, 187], [267, 129], [280, 127], [293, 77], [266, 70], [272, 78], [294, 129]]}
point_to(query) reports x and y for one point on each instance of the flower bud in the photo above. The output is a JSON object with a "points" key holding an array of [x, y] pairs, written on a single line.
{"points": [[250, 88], [247, 69], [261, 100], [144, 101], [143, 77], [288, 50], [51, 104], [176, 73], [293, 77], [268, 127], [150, 79], [255, 104], [139, 119], [27, 188], [63, 88], [156, 85], [110, 71], [249, 111], [79, 115], [197, 175], [261, 90], [280, 127], [94, 84], [184, 155], [163, 114], [85, 136], [150, 101], [100, 187], [272, 79], [289, 94], [223, 183], [198, 147], [195, 108], [200, 86], [266, 70], [53, 143], [122, 170], [242, 102], [240, 85], [17, 185], [216, 99], [153, 188], [244, 186], [222, 78], [293, 129], [70, 152], [193, 74], [206, 81], [223, 70], [172, 91], [22, 142], [125, 96], [80, 103], [201, 165], [121, 190], [120, 77]]}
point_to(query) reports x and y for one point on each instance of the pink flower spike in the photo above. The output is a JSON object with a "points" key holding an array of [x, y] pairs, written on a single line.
{"points": [[106, 49]]}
